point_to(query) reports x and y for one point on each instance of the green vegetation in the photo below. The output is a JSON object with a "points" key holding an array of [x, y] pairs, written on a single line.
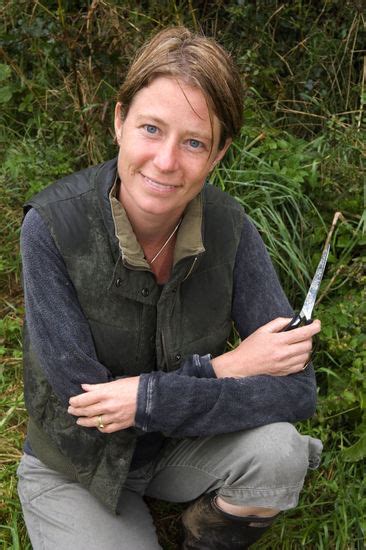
{"points": [[298, 160]]}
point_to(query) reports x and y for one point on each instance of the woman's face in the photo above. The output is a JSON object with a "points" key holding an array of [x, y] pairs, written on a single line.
{"points": [[168, 146]]}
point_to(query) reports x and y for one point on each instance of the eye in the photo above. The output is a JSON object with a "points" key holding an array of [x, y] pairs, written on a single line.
{"points": [[150, 128], [195, 144]]}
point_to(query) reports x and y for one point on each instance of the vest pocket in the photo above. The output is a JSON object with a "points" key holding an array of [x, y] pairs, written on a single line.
{"points": [[116, 346]]}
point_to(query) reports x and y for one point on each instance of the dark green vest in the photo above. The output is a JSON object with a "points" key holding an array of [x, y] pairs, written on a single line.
{"points": [[136, 326]]}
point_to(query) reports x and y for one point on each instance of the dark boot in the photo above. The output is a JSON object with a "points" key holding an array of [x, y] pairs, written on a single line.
{"points": [[206, 527]]}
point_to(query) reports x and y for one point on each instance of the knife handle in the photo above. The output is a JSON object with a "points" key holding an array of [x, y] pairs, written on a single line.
{"points": [[297, 322]]}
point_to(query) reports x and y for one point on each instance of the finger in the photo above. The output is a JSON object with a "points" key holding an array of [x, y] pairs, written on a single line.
{"points": [[292, 363], [299, 348], [94, 422], [287, 354], [303, 333], [114, 427], [92, 387], [90, 411], [277, 325], [106, 429], [84, 399], [300, 363]]}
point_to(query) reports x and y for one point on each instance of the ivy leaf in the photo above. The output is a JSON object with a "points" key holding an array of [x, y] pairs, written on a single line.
{"points": [[5, 94], [5, 72], [357, 451]]}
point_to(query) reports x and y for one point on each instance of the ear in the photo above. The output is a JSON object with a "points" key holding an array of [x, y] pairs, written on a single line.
{"points": [[221, 153], [118, 124]]}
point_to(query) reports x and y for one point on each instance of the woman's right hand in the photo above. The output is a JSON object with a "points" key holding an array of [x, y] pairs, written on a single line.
{"points": [[269, 351]]}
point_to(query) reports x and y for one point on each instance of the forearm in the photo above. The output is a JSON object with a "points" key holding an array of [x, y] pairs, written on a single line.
{"points": [[180, 406]]}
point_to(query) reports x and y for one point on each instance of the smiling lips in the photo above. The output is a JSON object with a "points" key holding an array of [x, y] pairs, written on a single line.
{"points": [[159, 186]]}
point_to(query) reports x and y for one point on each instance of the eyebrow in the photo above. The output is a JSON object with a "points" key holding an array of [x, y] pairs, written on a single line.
{"points": [[159, 121]]}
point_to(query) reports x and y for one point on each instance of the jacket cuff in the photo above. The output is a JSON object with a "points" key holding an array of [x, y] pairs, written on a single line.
{"points": [[203, 366], [144, 401], [195, 366]]}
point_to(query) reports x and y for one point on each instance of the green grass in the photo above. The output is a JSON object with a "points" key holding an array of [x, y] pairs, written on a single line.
{"points": [[12, 430], [299, 158]]}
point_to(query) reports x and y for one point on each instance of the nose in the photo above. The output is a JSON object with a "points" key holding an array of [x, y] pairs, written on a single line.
{"points": [[166, 157]]}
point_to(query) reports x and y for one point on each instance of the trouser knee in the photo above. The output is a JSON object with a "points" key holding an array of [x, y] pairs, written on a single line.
{"points": [[280, 454], [267, 462]]}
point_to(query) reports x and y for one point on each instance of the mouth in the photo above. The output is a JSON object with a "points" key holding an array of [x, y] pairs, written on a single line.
{"points": [[159, 185]]}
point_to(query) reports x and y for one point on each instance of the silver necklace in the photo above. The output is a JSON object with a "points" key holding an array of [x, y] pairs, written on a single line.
{"points": [[166, 242]]}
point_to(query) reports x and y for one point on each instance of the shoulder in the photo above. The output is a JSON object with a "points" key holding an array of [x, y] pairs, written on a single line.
{"points": [[34, 228], [222, 222], [74, 185], [222, 211], [76, 206], [215, 197], [37, 245], [230, 206]]}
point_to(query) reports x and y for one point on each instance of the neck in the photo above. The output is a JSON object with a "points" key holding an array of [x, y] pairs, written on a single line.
{"points": [[150, 228], [151, 232]]}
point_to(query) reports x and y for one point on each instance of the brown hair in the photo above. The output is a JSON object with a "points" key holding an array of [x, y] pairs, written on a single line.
{"points": [[196, 60]]}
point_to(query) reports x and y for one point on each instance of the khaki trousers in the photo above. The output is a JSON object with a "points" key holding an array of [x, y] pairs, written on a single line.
{"points": [[265, 467]]}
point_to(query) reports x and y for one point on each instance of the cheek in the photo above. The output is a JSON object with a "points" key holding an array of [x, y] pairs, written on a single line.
{"points": [[196, 181], [130, 158], [201, 174]]}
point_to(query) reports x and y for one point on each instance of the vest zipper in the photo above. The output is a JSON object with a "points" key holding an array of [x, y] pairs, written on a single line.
{"points": [[165, 355]]}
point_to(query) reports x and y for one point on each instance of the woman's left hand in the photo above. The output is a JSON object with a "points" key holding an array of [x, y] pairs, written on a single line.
{"points": [[109, 407]]}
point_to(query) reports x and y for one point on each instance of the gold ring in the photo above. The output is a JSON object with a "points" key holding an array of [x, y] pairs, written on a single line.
{"points": [[100, 422]]}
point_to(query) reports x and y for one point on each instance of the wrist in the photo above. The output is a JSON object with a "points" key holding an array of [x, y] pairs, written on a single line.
{"points": [[225, 365]]}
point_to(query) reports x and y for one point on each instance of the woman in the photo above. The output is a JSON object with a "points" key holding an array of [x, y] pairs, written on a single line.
{"points": [[134, 271]]}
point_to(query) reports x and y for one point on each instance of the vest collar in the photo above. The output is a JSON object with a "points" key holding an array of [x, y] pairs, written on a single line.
{"points": [[189, 237]]}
